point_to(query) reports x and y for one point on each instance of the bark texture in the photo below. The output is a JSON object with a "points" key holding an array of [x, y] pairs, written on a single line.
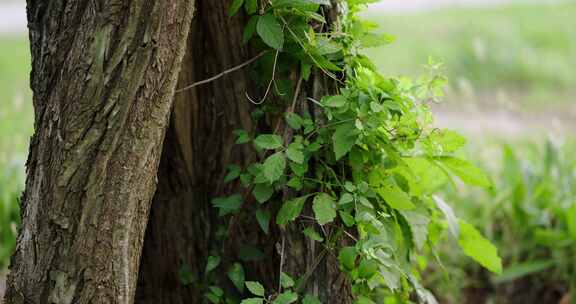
{"points": [[103, 77], [198, 148]]}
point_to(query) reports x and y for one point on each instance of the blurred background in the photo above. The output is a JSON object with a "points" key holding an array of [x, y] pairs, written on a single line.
{"points": [[511, 67]]}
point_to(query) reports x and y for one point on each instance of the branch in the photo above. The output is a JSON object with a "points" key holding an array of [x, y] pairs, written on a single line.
{"points": [[233, 69]]}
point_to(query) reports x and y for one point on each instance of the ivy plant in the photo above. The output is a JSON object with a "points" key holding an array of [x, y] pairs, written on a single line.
{"points": [[368, 162]]}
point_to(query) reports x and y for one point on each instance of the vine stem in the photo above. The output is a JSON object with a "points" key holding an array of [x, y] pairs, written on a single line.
{"points": [[223, 73], [269, 83]]}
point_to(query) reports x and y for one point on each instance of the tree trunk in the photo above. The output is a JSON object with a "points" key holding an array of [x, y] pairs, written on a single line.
{"points": [[198, 148], [103, 80], [103, 77]]}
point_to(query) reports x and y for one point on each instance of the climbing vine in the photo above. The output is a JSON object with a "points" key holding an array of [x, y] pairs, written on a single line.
{"points": [[367, 159]]}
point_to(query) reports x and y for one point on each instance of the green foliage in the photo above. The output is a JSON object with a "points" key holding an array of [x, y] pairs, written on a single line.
{"points": [[530, 218], [365, 164]]}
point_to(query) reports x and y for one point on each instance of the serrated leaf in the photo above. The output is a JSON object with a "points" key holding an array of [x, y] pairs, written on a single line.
{"points": [[312, 234], [236, 275], [268, 141], [287, 297], [418, 227], [290, 210], [263, 218], [295, 153], [286, 281], [274, 166], [467, 172], [324, 208], [227, 205], [252, 301], [255, 288], [344, 139], [478, 248], [270, 30], [211, 263], [234, 7], [395, 197], [263, 192]]}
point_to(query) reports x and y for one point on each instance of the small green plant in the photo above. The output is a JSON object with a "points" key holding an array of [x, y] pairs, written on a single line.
{"points": [[368, 160]]}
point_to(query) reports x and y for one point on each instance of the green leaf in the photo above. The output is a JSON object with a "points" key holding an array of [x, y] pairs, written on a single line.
{"points": [[228, 205], [233, 173], [287, 297], [478, 248], [212, 263], [313, 235], [451, 219], [290, 210], [268, 141], [251, 6], [367, 269], [517, 271], [252, 301], [335, 101], [344, 139], [234, 7], [444, 141], [347, 257], [294, 120], [286, 281], [217, 291], [294, 153], [270, 30], [373, 40], [242, 137], [249, 29], [255, 288], [263, 218], [263, 192], [467, 172], [324, 208], [347, 218], [310, 299], [395, 197], [274, 166], [236, 275]]}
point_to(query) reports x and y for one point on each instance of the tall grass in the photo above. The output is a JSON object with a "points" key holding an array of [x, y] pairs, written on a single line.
{"points": [[15, 130], [530, 215]]}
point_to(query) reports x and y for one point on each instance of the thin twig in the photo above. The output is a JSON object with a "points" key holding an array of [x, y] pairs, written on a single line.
{"points": [[269, 84], [233, 69], [281, 263]]}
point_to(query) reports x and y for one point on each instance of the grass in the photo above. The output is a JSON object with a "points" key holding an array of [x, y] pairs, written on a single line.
{"points": [[15, 129], [528, 50], [530, 215]]}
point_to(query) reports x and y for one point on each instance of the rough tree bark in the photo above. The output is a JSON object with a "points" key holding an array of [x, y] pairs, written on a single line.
{"points": [[103, 77], [101, 111]]}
